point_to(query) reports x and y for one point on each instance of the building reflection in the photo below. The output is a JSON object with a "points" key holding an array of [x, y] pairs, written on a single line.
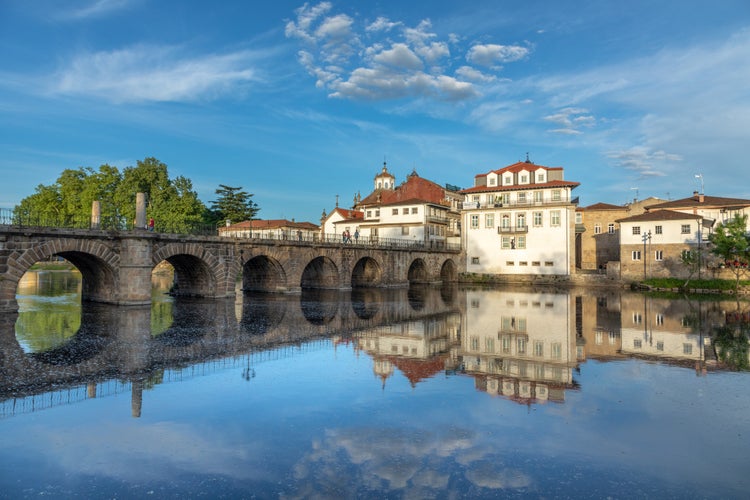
{"points": [[522, 345]]}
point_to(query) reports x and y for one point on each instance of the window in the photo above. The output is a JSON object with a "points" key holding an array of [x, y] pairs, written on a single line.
{"points": [[659, 345], [521, 220], [611, 228], [556, 195], [554, 218], [658, 255], [635, 255], [474, 343], [508, 180], [637, 318], [405, 211], [548, 263], [556, 350], [685, 255], [505, 221], [415, 210], [489, 345], [505, 198], [510, 263], [521, 197], [540, 177], [685, 229], [538, 348], [597, 228], [492, 181], [521, 242], [536, 263], [636, 230], [377, 213], [687, 349], [475, 260], [506, 343], [405, 230], [537, 196], [637, 343], [474, 221], [394, 211], [521, 345], [658, 230], [369, 214], [524, 179], [489, 220], [659, 319], [579, 217], [505, 242], [537, 217], [523, 263]]}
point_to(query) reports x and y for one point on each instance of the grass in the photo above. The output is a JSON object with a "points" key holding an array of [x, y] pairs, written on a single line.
{"points": [[711, 284]]}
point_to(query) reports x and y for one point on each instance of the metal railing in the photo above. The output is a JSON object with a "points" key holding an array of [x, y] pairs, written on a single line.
{"points": [[339, 239]]}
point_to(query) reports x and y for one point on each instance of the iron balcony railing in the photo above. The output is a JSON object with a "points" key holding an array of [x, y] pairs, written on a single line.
{"points": [[512, 229]]}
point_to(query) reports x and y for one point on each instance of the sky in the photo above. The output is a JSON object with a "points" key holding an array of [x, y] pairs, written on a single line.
{"points": [[300, 103]]}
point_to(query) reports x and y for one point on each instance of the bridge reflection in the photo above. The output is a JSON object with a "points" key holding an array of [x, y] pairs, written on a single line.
{"points": [[522, 345]]}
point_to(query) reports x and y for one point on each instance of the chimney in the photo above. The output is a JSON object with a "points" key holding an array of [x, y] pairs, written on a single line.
{"points": [[698, 196]]}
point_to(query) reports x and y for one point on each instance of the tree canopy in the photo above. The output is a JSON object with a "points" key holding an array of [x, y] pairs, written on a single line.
{"points": [[731, 243], [233, 204], [171, 202]]}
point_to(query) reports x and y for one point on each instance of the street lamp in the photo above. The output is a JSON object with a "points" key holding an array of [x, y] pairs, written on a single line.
{"points": [[646, 239]]}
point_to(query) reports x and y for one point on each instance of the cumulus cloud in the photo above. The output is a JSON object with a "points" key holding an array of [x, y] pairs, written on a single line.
{"points": [[493, 55], [412, 61], [154, 73], [571, 120]]}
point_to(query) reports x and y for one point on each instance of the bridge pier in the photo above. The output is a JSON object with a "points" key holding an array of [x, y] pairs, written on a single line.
{"points": [[135, 272]]}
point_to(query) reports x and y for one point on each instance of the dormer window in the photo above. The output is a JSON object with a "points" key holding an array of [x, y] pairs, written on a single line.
{"points": [[540, 177], [524, 179], [508, 180], [492, 181]]}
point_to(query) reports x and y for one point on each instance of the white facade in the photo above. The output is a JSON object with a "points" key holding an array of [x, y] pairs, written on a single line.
{"points": [[520, 220]]}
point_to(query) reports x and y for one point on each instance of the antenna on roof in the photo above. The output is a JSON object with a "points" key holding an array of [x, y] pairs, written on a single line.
{"points": [[636, 193], [527, 157], [337, 201], [700, 176]]}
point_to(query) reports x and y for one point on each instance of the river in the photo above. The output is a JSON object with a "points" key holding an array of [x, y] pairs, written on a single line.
{"points": [[421, 393]]}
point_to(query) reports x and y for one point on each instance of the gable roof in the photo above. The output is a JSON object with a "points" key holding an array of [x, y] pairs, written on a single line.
{"points": [[605, 206], [415, 190], [517, 187], [270, 224], [708, 202], [660, 215]]}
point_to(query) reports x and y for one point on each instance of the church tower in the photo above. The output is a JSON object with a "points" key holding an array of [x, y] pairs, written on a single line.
{"points": [[385, 180]]}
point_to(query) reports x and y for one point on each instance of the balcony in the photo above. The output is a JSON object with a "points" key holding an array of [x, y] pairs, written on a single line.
{"points": [[512, 229]]}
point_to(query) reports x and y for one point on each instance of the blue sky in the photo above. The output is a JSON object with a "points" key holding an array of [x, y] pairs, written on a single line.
{"points": [[298, 103]]}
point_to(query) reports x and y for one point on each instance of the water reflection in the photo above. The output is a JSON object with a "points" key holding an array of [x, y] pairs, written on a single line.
{"points": [[379, 392]]}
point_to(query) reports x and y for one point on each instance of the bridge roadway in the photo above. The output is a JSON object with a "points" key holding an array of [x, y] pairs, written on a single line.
{"points": [[117, 342], [116, 265]]}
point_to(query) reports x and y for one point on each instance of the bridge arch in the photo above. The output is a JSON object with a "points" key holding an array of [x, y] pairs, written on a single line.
{"points": [[418, 272], [366, 272], [95, 261], [263, 274], [321, 272], [195, 270], [448, 272]]}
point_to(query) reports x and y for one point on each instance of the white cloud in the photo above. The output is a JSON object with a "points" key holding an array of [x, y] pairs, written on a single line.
{"points": [[152, 73], [571, 120], [492, 55], [474, 75], [382, 24], [644, 162], [400, 56]]}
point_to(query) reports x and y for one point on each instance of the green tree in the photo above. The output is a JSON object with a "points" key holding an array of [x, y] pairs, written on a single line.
{"points": [[233, 204], [731, 243], [172, 203]]}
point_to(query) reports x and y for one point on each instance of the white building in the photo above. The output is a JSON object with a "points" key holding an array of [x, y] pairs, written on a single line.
{"points": [[418, 211], [520, 220]]}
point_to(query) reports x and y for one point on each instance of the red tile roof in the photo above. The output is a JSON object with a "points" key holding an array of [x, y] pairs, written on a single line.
{"points": [[708, 202], [415, 189], [605, 206], [658, 215], [516, 187], [348, 214], [270, 224]]}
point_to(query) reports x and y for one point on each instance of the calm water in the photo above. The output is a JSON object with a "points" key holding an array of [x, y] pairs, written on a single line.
{"points": [[420, 393]]}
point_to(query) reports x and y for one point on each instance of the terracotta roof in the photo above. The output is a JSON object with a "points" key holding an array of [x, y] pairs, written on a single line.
{"points": [[349, 214], [659, 215], [518, 167], [605, 206], [415, 189], [417, 370], [270, 224], [708, 202], [516, 187]]}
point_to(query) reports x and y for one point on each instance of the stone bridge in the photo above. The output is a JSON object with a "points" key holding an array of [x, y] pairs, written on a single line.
{"points": [[116, 266]]}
